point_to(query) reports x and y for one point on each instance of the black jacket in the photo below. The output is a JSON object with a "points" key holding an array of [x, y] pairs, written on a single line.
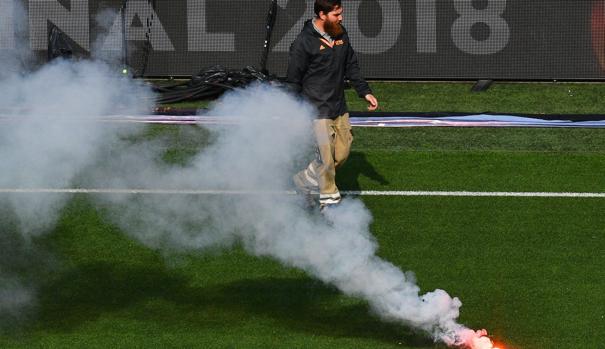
{"points": [[318, 71]]}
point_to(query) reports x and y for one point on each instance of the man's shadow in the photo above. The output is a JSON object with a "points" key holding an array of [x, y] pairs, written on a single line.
{"points": [[357, 165]]}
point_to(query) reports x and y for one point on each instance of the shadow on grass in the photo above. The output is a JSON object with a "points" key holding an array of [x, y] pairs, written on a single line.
{"points": [[110, 280], [357, 165], [160, 295], [23, 263]]}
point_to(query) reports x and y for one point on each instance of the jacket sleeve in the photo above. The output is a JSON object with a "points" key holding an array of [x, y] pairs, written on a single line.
{"points": [[353, 73], [298, 62]]}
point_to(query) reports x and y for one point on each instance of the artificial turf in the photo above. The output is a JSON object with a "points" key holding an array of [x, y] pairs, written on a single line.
{"points": [[503, 97], [530, 270]]}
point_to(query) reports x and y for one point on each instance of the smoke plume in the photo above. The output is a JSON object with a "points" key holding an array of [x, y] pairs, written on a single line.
{"points": [[250, 165], [48, 137], [52, 139]]}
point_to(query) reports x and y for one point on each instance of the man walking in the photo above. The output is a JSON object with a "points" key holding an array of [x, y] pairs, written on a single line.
{"points": [[320, 59]]}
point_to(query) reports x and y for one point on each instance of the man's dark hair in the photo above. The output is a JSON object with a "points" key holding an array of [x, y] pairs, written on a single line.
{"points": [[326, 6]]}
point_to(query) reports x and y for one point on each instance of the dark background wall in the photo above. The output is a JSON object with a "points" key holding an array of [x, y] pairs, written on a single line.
{"points": [[395, 39]]}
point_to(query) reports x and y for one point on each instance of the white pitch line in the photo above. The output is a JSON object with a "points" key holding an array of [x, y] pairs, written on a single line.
{"points": [[291, 192], [478, 193]]}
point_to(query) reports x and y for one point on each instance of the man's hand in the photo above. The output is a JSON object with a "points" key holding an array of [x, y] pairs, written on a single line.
{"points": [[372, 102]]}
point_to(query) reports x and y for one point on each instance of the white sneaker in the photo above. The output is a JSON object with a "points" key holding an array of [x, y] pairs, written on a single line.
{"points": [[329, 199], [327, 207]]}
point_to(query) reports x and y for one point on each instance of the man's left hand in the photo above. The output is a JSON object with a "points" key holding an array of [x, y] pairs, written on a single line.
{"points": [[372, 102]]}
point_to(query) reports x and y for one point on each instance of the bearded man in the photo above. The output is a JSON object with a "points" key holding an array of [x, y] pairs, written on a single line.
{"points": [[320, 60]]}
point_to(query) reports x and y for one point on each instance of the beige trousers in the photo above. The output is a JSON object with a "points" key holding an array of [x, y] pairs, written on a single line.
{"points": [[334, 140]]}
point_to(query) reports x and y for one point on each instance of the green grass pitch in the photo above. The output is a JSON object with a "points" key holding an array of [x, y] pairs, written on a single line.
{"points": [[530, 270]]}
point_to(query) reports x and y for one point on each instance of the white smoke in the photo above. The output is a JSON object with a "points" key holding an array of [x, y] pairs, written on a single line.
{"points": [[51, 134], [55, 141], [273, 131], [251, 163], [51, 140], [48, 137]]}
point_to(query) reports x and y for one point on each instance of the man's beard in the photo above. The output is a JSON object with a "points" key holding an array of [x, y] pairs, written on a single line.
{"points": [[334, 29]]}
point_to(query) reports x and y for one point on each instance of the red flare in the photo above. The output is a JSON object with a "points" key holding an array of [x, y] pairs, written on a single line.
{"points": [[478, 340], [481, 341]]}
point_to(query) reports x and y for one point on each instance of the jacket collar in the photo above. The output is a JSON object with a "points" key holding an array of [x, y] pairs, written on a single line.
{"points": [[309, 28]]}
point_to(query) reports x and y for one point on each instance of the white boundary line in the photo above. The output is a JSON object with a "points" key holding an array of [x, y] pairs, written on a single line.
{"points": [[478, 193], [291, 192]]}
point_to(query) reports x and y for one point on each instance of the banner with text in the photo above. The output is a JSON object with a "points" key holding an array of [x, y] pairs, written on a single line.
{"points": [[395, 39]]}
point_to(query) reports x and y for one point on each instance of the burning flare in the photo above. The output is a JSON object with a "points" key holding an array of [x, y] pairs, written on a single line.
{"points": [[470, 339]]}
